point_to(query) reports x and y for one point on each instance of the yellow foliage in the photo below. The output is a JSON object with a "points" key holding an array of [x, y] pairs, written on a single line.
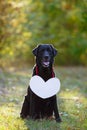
{"points": [[27, 34], [19, 45], [66, 5], [11, 53], [73, 15], [8, 51], [14, 22]]}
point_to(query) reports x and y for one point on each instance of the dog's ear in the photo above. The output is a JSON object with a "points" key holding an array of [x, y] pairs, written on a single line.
{"points": [[54, 50], [35, 50]]}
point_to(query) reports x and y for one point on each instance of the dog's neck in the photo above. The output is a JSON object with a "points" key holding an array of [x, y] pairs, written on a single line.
{"points": [[45, 73]]}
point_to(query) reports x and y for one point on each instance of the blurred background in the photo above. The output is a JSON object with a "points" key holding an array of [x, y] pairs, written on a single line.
{"points": [[23, 25], [26, 23]]}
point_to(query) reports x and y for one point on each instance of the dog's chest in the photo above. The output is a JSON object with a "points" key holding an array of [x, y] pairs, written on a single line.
{"points": [[45, 75]]}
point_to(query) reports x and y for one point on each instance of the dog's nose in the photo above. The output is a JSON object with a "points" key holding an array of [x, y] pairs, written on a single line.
{"points": [[46, 57]]}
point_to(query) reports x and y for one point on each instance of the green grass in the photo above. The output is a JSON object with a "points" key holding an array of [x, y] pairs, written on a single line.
{"points": [[72, 100]]}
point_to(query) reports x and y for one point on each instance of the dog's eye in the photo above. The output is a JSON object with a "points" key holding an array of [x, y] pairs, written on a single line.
{"points": [[42, 50], [48, 49]]}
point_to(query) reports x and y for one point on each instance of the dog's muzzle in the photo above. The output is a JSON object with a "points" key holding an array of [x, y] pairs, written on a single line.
{"points": [[45, 63]]}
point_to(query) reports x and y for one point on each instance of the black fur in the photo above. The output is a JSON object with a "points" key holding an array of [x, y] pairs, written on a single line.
{"points": [[34, 106]]}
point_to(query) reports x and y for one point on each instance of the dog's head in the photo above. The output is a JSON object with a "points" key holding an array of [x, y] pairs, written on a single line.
{"points": [[45, 54]]}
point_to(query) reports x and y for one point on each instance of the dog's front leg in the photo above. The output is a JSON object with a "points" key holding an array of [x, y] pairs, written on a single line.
{"points": [[34, 106], [56, 112]]}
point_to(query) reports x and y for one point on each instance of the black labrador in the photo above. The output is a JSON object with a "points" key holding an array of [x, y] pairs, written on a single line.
{"points": [[34, 106]]}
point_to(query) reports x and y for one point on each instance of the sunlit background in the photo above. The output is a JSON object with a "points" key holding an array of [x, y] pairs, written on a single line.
{"points": [[27, 23], [23, 25]]}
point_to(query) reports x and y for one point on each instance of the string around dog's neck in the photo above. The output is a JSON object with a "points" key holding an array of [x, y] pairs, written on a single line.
{"points": [[37, 72]]}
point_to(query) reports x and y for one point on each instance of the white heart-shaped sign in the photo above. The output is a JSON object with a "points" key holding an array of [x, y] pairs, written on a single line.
{"points": [[44, 89]]}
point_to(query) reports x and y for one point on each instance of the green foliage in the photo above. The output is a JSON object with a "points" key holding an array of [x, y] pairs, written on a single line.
{"points": [[24, 24]]}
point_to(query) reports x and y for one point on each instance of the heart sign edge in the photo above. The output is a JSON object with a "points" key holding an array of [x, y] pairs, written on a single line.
{"points": [[44, 89]]}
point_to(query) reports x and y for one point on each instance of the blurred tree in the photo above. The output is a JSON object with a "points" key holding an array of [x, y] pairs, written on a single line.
{"points": [[24, 24]]}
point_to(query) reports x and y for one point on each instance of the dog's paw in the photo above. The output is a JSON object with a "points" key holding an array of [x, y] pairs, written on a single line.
{"points": [[58, 120]]}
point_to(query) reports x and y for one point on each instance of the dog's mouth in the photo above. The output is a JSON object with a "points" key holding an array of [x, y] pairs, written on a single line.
{"points": [[45, 63]]}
